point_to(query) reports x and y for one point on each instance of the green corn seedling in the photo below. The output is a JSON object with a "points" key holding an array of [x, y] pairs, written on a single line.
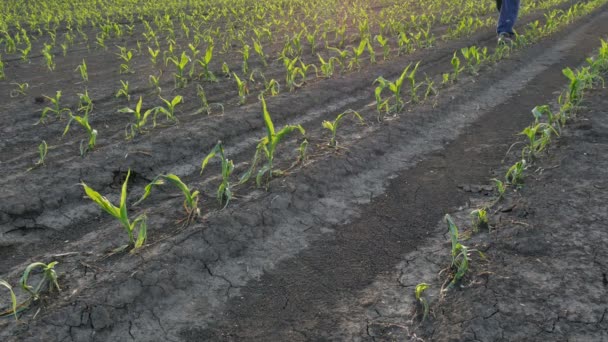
{"points": [[84, 74], [243, 89], [480, 219], [268, 146], [155, 83], [500, 188], [20, 90], [537, 144], [456, 68], [395, 89], [342, 55], [153, 55], [411, 77], [357, 53], [515, 174], [48, 56], [169, 110], [257, 47], [85, 104], [245, 53], [472, 58], [327, 68], [205, 105], [419, 291], [206, 74], [124, 90], [126, 56], [459, 253], [138, 225], [333, 126], [554, 120], [91, 133], [190, 197], [43, 150], [140, 119], [405, 43], [224, 191], [13, 300], [49, 278], [386, 48], [56, 109], [180, 65], [226, 70], [271, 87]]}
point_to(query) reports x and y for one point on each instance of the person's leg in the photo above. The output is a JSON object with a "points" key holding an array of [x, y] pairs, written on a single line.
{"points": [[508, 16]]}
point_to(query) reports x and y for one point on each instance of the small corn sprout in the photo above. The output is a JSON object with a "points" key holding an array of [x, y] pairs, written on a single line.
{"points": [[55, 109], [124, 90], [13, 300], [126, 56], [48, 56], [121, 213], [84, 74], [420, 288], [205, 105], [327, 68], [43, 149], [190, 197], [140, 119], [243, 89], [49, 278], [479, 219], [20, 90], [457, 69], [153, 55], [268, 146], [395, 88], [537, 144], [384, 45], [357, 53], [333, 126], [224, 192], [500, 187], [460, 258], [91, 133], [206, 74], [515, 173], [169, 110], [473, 58], [180, 65]]}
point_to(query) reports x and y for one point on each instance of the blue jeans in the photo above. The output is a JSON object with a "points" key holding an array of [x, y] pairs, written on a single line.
{"points": [[508, 16]]}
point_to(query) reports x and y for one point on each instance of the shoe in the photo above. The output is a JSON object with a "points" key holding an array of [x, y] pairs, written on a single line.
{"points": [[505, 38]]}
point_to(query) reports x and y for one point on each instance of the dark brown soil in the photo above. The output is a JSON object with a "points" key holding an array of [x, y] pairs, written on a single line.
{"points": [[333, 250]]}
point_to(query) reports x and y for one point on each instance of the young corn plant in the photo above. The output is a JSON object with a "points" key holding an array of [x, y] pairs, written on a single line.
{"points": [[49, 279], [357, 53], [124, 90], [243, 89], [332, 126], [204, 61], [386, 48], [84, 74], [56, 109], [472, 58], [190, 197], [479, 218], [153, 55], [13, 310], [268, 146], [20, 90], [515, 174], [555, 120], [48, 56], [205, 105], [459, 253], [141, 119], [327, 68], [155, 83], [257, 47], [43, 150], [91, 133], [395, 89], [246, 55], [126, 56], [456, 68], [419, 294], [137, 226], [224, 191], [2, 73], [180, 65], [539, 137], [500, 188], [169, 110]]}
